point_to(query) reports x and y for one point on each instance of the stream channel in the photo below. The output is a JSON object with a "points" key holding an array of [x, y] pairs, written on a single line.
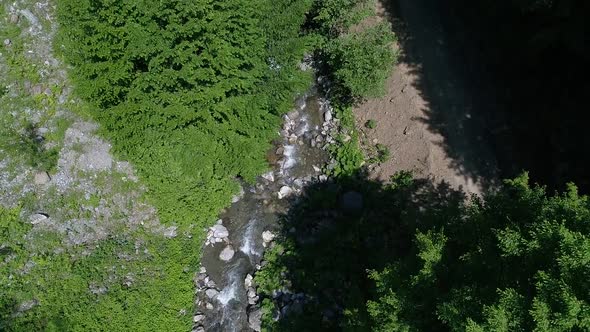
{"points": [[226, 299]]}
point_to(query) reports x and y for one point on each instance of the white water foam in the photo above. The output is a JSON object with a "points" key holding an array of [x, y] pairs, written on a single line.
{"points": [[248, 242], [230, 291], [289, 154]]}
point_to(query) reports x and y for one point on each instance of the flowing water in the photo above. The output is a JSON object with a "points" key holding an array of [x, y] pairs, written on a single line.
{"points": [[222, 295]]}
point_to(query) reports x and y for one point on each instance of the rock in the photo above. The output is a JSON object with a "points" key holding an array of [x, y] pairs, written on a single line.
{"points": [[255, 319], [202, 270], [352, 201], [14, 18], [248, 281], [199, 329], [198, 318], [280, 151], [37, 218], [238, 196], [209, 306], [269, 176], [210, 284], [7, 42], [252, 293], [42, 178], [316, 169], [267, 237], [219, 231], [328, 116], [170, 232], [284, 192], [323, 178], [211, 293], [346, 138], [227, 254], [37, 89]]}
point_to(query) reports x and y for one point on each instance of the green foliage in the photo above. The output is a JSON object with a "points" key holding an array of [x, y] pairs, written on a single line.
{"points": [[190, 92], [362, 60], [516, 261], [382, 153], [58, 283], [371, 124]]}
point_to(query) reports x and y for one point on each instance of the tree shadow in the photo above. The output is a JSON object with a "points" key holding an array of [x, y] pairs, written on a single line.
{"points": [[501, 105], [315, 276]]}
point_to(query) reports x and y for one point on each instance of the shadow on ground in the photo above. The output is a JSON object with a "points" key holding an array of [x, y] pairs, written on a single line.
{"points": [[315, 277], [503, 85]]}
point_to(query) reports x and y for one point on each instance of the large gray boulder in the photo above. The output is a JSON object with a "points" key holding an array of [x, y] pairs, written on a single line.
{"points": [[227, 253]]}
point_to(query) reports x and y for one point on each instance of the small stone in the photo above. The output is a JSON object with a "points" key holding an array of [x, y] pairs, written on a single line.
{"points": [[7, 42], [267, 237], [227, 254], [211, 293], [199, 329], [323, 178], [346, 138], [48, 92], [37, 218], [209, 306], [280, 151], [14, 18], [202, 270], [198, 318], [42, 178], [284, 192], [375, 141], [316, 169]]}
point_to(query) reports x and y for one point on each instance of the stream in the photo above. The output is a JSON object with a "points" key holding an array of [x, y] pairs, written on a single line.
{"points": [[225, 297]]}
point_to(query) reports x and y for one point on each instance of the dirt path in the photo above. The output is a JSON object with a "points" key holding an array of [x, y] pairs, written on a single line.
{"points": [[428, 117]]}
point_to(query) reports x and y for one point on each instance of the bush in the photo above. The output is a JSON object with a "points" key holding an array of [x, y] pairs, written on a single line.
{"points": [[362, 61], [371, 124]]}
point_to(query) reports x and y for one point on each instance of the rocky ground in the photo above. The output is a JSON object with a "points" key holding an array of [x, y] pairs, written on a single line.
{"points": [[53, 163], [426, 117]]}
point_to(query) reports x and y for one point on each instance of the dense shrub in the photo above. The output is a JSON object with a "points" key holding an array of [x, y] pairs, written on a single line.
{"points": [[189, 91]]}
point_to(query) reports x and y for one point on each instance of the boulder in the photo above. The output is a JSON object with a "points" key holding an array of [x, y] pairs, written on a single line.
{"points": [[219, 231], [42, 178], [267, 237], [198, 318], [255, 319], [328, 116], [248, 281], [284, 192], [37, 218], [227, 254], [211, 293], [269, 176]]}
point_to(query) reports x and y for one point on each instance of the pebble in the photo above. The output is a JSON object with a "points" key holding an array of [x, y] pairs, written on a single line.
{"points": [[198, 318], [14, 18], [7, 42]]}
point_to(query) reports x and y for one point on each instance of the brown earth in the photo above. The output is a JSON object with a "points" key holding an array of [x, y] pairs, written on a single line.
{"points": [[425, 117]]}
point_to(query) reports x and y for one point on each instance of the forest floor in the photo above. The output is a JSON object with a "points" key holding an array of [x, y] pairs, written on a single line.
{"points": [[426, 117]]}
